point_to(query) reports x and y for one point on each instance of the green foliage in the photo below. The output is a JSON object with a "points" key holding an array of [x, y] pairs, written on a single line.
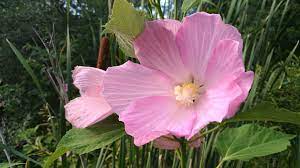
{"points": [[188, 4], [82, 141], [86, 140], [26, 66], [17, 153], [126, 23], [268, 112], [249, 141]]}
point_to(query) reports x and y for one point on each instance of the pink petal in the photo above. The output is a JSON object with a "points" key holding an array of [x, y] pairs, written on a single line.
{"points": [[129, 82], [214, 103], [85, 111], [88, 80], [244, 81], [170, 24], [198, 36], [225, 61], [156, 49], [149, 118]]}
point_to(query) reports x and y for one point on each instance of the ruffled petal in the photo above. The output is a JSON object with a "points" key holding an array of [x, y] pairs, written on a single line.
{"points": [[244, 81], [85, 111], [225, 61], [214, 104], [198, 35], [129, 82], [88, 80], [156, 49], [149, 118]]}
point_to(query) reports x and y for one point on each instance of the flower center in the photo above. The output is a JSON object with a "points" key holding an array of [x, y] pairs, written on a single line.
{"points": [[187, 93]]}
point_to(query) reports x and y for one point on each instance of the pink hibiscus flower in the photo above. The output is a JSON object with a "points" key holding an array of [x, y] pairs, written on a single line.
{"points": [[191, 73], [90, 107]]}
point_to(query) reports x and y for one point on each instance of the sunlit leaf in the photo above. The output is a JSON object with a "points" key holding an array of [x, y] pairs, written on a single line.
{"points": [[126, 23], [249, 141]]}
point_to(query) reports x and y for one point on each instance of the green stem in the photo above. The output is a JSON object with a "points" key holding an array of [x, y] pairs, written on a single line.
{"points": [[211, 130], [220, 164], [158, 9], [176, 10], [183, 153]]}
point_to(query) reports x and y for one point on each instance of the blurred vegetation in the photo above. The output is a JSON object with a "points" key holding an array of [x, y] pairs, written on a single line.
{"points": [[38, 29]]}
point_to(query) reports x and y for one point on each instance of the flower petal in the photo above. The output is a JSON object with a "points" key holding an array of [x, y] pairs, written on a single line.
{"points": [[170, 24], [198, 36], [156, 49], [214, 103], [129, 82], [225, 61], [85, 111], [245, 81], [88, 80], [149, 118]]}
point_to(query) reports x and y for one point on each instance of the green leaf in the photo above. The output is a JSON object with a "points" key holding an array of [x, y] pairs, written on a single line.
{"points": [[126, 23], [58, 152], [26, 66], [268, 112], [86, 140], [249, 141]]}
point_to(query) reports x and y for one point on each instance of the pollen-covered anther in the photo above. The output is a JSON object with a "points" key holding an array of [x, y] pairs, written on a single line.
{"points": [[187, 93]]}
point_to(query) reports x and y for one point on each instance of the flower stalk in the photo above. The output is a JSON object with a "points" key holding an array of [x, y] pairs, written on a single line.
{"points": [[183, 153]]}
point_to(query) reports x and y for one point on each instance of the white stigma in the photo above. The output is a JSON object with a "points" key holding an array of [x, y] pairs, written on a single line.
{"points": [[187, 93]]}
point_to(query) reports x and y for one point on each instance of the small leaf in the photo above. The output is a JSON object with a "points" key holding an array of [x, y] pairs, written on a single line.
{"points": [[86, 140], [268, 112], [126, 23], [249, 141]]}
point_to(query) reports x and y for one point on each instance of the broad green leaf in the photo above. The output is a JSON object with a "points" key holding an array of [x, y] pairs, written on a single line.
{"points": [[126, 23], [249, 141], [268, 112], [86, 140]]}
